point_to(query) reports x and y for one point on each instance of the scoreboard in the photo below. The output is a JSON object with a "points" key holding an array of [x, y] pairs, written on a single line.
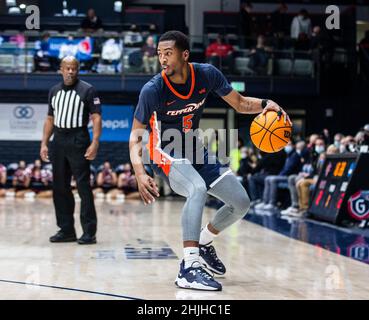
{"points": [[342, 191]]}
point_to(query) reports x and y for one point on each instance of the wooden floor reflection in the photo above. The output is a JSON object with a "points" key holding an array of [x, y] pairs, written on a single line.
{"points": [[137, 257]]}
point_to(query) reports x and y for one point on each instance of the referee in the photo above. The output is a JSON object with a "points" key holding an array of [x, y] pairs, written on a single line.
{"points": [[71, 103]]}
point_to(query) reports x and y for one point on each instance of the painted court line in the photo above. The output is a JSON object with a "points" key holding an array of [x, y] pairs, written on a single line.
{"points": [[70, 289]]}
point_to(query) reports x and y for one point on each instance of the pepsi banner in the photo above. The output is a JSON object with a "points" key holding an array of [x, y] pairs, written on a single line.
{"points": [[116, 123], [81, 48], [23, 121]]}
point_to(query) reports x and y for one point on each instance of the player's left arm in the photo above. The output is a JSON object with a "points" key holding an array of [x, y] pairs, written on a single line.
{"points": [[250, 105]]}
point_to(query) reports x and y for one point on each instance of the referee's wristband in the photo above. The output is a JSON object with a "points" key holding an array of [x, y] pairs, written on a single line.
{"points": [[264, 103]]}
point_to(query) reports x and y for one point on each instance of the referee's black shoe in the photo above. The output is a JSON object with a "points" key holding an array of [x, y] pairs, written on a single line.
{"points": [[61, 236], [87, 239]]}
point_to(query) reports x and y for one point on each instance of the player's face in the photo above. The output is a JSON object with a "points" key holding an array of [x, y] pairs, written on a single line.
{"points": [[171, 58], [69, 70]]}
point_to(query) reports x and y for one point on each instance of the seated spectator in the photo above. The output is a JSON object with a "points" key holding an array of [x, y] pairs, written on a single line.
{"points": [[220, 54], [247, 166], [259, 56], [21, 181], [111, 53], [40, 181], [316, 38], [301, 24], [149, 56], [348, 144], [42, 59], [299, 185], [303, 42], [133, 37], [127, 183], [292, 165], [269, 164], [3, 178], [106, 182], [337, 139], [366, 136], [91, 23]]}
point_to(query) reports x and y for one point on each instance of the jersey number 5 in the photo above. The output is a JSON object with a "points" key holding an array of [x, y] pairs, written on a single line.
{"points": [[187, 123]]}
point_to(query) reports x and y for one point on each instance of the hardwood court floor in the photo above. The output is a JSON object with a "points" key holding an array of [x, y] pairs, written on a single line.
{"points": [[138, 252]]}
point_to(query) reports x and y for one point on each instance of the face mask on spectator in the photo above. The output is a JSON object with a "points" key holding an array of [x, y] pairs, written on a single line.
{"points": [[337, 143], [351, 147], [243, 155], [319, 149], [288, 149]]}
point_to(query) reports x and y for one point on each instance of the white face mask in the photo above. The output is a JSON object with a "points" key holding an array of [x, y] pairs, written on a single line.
{"points": [[243, 155], [319, 149], [337, 143], [288, 149]]}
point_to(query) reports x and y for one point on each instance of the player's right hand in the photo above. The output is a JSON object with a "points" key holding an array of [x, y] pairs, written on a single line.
{"points": [[147, 188], [44, 153]]}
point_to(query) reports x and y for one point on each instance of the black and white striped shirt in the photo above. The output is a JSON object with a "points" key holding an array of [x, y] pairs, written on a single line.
{"points": [[71, 105]]}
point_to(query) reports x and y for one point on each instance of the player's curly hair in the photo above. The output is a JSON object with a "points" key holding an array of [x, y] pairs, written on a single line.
{"points": [[180, 39]]}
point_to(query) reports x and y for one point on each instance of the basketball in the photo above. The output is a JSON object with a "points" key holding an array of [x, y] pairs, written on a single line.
{"points": [[270, 134]]}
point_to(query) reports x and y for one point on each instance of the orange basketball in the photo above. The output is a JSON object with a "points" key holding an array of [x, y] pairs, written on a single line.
{"points": [[270, 134]]}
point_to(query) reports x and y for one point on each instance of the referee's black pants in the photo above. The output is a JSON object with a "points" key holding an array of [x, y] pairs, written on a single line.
{"points": [[69, 148]]}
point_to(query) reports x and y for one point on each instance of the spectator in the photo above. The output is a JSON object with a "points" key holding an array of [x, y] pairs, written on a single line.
{"points": [[220, 53], [292, 165], [259, 57], [3, 178], [111, 53], [91, 23], [127, 183], [316, 38], [133, 37], [40, 181], [150, 58], [247, 165], [312, 140], [303, 42], [303, 185], [366, 137], [337, 139], [21, 180], [42, 59], [269, 164], [106, 182], [301, 24], [280, 20], [245, 23], [364, 56]]}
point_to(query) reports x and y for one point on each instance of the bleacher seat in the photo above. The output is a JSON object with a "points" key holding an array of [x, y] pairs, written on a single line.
{"points": [[6, 62], [241, 66], [283, 67], [24, 63], [303, 67]]}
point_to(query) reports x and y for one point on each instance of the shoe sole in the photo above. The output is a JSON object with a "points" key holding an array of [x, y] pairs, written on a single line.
{"points": [[87, 243], [183, 284], [61, 241], [217, 272]]}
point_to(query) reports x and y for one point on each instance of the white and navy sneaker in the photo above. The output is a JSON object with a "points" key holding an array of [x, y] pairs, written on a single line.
{"points": [[196, 277], [209, 258]]}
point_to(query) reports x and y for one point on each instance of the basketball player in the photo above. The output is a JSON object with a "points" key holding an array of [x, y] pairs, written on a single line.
{"points": [[174, 99]]}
